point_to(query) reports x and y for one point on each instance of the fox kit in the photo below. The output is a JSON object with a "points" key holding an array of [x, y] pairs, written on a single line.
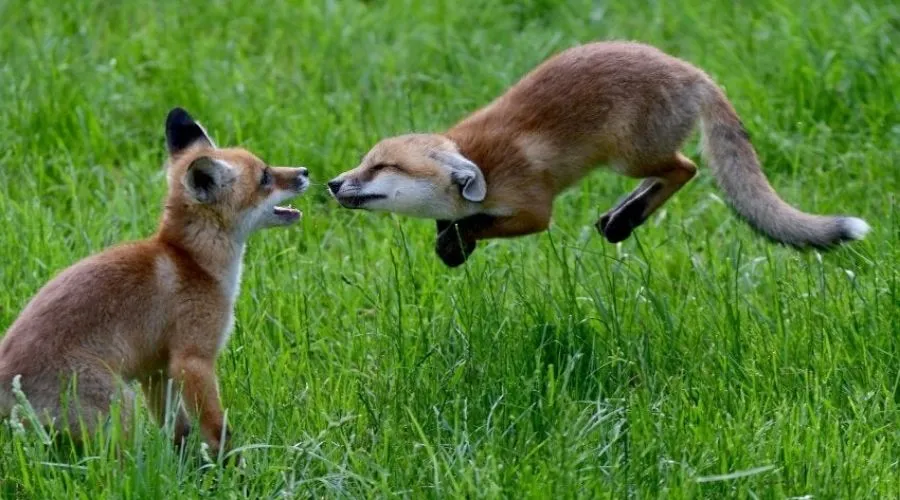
{"points": [[156, 309], [496, 173]]}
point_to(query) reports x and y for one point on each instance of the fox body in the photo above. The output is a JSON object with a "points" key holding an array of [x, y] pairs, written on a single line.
{"points": [[154, 310], [496, 173]]}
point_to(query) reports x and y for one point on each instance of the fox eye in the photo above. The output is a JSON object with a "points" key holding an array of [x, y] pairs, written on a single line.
{"points": [[381, 166], [266, 178]]}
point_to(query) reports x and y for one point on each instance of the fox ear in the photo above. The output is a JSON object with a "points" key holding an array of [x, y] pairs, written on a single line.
{"points": [[465, 174], [205, 178], [183, 132]]}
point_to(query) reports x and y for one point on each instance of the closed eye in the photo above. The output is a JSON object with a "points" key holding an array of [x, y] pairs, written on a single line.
{"points": [[381, 166], [372, 171]]}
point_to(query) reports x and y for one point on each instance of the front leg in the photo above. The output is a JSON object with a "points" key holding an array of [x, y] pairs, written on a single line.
{"points": [[454, 243], [164, 404], [521, 224], [200, 390], [458, 241], [442, 225]]}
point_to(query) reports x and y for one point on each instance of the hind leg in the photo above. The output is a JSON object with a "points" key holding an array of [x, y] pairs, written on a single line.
{"points": [[85, 405], [662, 180]]}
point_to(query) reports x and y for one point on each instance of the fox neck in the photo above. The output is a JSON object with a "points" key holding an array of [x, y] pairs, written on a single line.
{"points": [[500, 159], [215, 249]]}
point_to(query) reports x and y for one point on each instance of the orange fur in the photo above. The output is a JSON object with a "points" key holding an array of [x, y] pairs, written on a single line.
{"points": [[626, 105], [155, 309]]}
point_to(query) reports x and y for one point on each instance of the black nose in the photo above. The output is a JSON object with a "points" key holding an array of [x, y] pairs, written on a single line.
{"points": [[304, 172], [335, 185]]}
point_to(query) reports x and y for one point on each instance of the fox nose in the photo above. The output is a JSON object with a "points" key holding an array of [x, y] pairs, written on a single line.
{"points": [[304, 172], [335, 185]]}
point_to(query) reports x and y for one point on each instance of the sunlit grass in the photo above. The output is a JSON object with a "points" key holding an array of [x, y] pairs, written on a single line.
{"points": [[693, 360]]}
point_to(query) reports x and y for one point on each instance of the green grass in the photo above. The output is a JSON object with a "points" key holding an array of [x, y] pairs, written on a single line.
{"points": [[693, 360]]}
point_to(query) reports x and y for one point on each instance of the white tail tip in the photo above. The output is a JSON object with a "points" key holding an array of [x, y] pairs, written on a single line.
{"points": [[855, 228]]}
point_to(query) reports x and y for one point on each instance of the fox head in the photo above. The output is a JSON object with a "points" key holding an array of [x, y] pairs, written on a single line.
{"points": [[419, 175], [229, 187]]}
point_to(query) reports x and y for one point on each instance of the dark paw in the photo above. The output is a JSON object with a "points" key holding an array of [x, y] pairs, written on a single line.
{"points": [[442, 225], [451, 249], [181, 436], [618, 225], [602, 222], [233, 459], [618, 229]]}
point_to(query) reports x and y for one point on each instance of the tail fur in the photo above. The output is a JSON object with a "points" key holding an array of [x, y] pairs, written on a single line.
{"points": [[735, 165]]}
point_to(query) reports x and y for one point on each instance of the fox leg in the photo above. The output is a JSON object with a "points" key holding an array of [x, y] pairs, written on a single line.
{"points": [[200, 391], [662, 180], [458, 240], [79, 404], [163, 402], [443, 225], [454, 243]]}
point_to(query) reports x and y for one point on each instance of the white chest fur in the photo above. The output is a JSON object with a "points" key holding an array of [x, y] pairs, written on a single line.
{"points": [[231, 287]]}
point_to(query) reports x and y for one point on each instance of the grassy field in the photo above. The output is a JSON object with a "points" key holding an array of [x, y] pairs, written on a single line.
{"points": [[693, 360]]}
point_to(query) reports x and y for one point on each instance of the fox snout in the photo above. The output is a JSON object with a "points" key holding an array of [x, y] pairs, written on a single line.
{"points": [[288, 183], [351, 193], [296, 179]]}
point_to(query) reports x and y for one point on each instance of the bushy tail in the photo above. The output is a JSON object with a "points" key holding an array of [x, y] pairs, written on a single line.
{"points": [[735, 165]]}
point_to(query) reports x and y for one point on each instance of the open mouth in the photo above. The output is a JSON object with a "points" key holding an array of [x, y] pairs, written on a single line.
{"points": [[358, 200], [287, 215]]}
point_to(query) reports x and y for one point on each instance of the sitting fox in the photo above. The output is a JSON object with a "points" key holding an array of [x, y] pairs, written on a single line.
{"points": [[496, 173], [156, 309]]}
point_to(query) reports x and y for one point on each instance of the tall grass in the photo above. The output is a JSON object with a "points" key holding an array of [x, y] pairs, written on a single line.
{"points": [[693, 360]]}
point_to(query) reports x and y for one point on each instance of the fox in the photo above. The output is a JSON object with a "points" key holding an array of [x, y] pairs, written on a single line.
{"points": [[158, 311], [626, 105]]}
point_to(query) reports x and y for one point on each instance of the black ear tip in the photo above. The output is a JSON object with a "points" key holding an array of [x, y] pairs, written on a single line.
{"points": [[182, 131], [178, 116]]}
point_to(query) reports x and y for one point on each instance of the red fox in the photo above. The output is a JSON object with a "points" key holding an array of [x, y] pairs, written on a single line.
{"points": [[156, 309], [496, 173]]}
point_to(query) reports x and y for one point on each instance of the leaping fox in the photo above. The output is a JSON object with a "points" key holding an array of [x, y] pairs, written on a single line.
{"points": [[630, 106]]}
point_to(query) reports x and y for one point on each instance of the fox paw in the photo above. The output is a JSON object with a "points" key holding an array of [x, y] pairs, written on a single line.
{"points": [[617, 225], [181, 436], [451, 250]]}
